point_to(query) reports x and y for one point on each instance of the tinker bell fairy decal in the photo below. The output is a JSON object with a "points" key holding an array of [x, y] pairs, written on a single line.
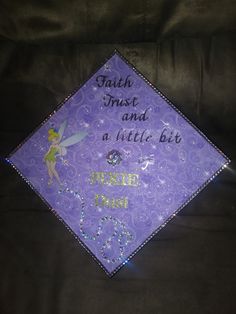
{"points": [[58, 148]]}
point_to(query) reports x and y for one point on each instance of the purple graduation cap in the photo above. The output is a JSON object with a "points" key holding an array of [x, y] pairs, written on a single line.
{"points": [[116, 161]]}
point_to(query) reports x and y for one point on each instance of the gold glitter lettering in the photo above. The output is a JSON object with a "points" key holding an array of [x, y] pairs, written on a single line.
{"points": [[97, 177], [133, 179], [114, 178], [103, 201]]}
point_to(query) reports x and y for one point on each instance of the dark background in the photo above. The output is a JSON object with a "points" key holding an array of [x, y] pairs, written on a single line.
{"points": [[187, 49]]}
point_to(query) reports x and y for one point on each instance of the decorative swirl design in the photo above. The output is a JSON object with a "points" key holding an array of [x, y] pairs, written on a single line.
{"points": [[121, 235]]}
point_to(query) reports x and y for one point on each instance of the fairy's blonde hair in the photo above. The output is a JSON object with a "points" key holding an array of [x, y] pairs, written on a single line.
{"points": [[52, 134]]}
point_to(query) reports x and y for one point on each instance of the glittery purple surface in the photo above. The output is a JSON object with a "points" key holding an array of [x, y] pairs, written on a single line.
{"points": [[137, 164]]}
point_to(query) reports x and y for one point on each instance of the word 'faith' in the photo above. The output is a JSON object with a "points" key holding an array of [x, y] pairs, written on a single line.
{"points": [[105, 81]]}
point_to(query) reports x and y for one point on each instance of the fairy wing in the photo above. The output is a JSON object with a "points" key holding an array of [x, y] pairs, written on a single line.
{"points": [[62, 129], [74, 139]]}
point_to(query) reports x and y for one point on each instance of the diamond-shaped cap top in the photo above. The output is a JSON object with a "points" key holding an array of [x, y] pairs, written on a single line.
{"points": [[116, 162]]}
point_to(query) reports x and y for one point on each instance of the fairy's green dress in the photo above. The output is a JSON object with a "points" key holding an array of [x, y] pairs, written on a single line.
{"points": [[50, 156]]}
